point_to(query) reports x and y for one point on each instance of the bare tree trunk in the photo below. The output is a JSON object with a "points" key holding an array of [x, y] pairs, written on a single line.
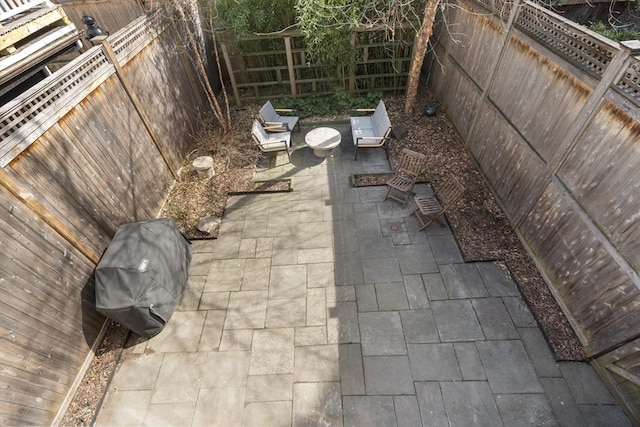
{"points": [[419, 50], [225, 122]]}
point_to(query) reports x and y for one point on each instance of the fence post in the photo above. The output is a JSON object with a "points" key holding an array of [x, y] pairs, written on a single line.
{"points": [[292, 76], [232, 77], [111, 55]]}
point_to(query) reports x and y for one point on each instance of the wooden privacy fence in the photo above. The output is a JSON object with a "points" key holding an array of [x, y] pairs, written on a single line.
{"points": [[273, 66], [95, 145], [551, 113]]}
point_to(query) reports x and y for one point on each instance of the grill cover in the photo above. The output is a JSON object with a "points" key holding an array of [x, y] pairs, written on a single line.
{"points": [[141, 276]]}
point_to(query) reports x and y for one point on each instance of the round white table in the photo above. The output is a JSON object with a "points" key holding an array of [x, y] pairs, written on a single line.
{"points": [[323, 140]]}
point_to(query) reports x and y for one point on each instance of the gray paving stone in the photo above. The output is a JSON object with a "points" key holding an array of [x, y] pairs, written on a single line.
{"points": [[415, 290], [264, 247], [225, 275], [288, 281], [445, 249], [345, 237], [231, 225], [308, 256], [456, 321], [317, 404], [381, 270], [276, 414], [382, 334], [320, 275], [181, 333], [256, 275], [367, 224], [315, 235], [282, 224], [225, 369], [349, 269], [316, 309], [269, 388], [407, 411], [342, 293], [317, 363], [227, 246], [434, 362], [351, 369], [137, 372], [539, 352], [391, 296], [388, 375], [604, 415], [470, 403], [376, 247], [494, 319], [212, 330], [469, 361], [372, 194], [431, 405], [366, 298], [272, 352], [192, 293], [419, 326], [525, 410], [519, 312], [463, 281], [247, 310], [247, 248], [311, 335], [342, 323], [369, 411], [416, 259], [236, 339], [434, 285], [124, 408], [496, 280], [286, 313], [179, 378], [585, 385], [200, 264], [169, 414], [219, 407], [392, 209], [214, 301], [507, 367], [284, 256], [562, 402], [201, 246]]}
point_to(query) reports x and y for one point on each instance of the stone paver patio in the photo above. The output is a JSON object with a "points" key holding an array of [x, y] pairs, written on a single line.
{"points": [[326, 306]]}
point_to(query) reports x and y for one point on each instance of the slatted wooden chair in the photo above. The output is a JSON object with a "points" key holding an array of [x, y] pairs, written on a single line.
{"points": [[433, 207], [400, 186]]}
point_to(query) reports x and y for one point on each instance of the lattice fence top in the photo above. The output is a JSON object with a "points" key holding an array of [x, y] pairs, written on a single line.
{"points": [[585, 50], [629, 84], [130, 41], [502, 8], [24, 119]]}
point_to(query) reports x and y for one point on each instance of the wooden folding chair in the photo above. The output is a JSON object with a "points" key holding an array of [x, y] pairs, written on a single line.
{"points": [[400, 186], [432, 207]]}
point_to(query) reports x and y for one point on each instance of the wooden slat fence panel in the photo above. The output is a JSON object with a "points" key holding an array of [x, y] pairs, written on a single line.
{"points": [[629, 84]]}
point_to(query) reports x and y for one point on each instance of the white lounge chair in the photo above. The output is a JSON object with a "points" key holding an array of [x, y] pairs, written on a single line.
{"points": [[272, 121], [270, 142]]}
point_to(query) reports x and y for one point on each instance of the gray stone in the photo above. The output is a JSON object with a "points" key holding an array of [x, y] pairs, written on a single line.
{"points": [[369, 411], [214, 301], [179, 378], [321, 275], [349, 269], [508, 368], [382, 334], [316, 310], [317, 404], [366, 298], [381, 270], [391, 296], [494, 319], [269, 388], [416, 293], [247, 248], [182, 333], [247, 310], [434, 286], [227, 247], [311, 335], [317, 363], [539, 352], [434, 362], [285, 313], [445, 249], [562, 402], [192, 293], [419, 326], [407, 411], [136, 372], [272, 352], [276, 414], [308, 256], [167, 414], [496, 280], [342, 323], [288, 281], [585, 385], [431, 405], [469, 360], [367, 224], [463, 281], [525, 410], [225, 275], [604, 415], [200, 264], [209, 224], [470, 403], [225, 369], [388, 375], [236, 339], [456, 321], [519, 312], [375, 247], [212, 330], [219, 407], [416, 259], [351, 370], [125, 408], [256, 275]]}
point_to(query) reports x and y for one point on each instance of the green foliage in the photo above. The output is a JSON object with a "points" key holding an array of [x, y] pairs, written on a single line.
{"points": [[255, 16], [631, 33], [326, 105]]}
